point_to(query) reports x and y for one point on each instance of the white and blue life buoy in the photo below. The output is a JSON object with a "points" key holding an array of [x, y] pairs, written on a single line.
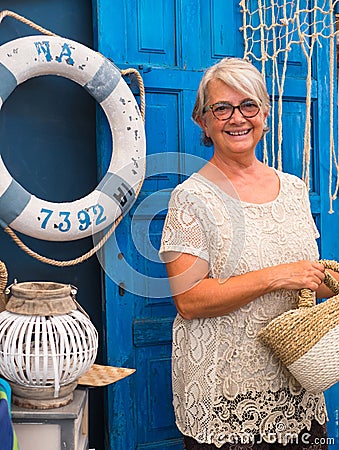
{"points": [[33, 56]]}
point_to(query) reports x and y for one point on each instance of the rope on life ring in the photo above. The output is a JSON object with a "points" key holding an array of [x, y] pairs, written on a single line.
{"points": [[31, 56]]}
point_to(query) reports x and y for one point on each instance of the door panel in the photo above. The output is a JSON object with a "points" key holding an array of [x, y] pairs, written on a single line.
{"points": [[217, 19], [154, 24], [156, 421], [163, 112]]}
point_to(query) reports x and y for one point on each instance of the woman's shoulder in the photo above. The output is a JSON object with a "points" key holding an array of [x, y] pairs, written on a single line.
{"points": [[292, 180], [193, 184], [195, 192]]}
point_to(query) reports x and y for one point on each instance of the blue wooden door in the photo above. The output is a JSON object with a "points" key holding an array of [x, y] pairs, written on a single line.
{"points": [[170, 42]]}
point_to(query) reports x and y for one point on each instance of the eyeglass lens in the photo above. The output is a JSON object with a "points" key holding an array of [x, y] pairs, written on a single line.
{"points": [[224, 110]]}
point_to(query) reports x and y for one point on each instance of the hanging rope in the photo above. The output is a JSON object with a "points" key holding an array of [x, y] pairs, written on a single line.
{"points": [[99, 245], [42, 30], [132, 71]]}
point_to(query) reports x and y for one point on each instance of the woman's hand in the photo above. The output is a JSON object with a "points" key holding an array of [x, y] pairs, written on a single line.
{"points": [[297, 275]]}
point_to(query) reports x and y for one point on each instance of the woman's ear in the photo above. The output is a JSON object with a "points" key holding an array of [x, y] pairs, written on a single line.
{"points": [[202, 123]]}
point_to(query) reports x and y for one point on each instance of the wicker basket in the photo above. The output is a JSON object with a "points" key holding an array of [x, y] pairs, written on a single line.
{"points": [[306, 339]]}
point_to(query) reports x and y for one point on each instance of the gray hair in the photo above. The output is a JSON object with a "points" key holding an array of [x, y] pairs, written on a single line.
{"points": [[238, 74]]}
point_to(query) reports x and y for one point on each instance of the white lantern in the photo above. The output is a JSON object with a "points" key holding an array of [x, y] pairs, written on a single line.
{"points": [[46, 343]]}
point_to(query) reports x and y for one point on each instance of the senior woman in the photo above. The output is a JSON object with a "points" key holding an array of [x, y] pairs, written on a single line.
{"points": [[239, 242]]}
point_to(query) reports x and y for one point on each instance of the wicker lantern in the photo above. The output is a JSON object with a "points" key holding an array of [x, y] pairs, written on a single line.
{"points": [[46, 343]]}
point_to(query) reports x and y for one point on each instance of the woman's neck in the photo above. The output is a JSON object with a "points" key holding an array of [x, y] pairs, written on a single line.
{"points": [[250, 181], [236, 167]]}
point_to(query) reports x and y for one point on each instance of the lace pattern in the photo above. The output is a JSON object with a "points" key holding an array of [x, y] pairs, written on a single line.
{"points": [[224, 380]]}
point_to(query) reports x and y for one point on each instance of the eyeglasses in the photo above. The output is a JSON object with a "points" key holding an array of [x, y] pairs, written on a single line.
{"points": [[224, 110]]}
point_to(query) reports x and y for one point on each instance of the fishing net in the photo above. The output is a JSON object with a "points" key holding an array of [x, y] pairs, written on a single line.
{"points": [[272, 29]]}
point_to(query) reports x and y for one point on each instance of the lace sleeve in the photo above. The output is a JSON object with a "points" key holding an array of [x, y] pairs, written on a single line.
{"points": [[183, 230]]}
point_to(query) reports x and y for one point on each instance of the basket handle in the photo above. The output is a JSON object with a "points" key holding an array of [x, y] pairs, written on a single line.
{"points": [[305, 298], [3, 283], [3, 277]]}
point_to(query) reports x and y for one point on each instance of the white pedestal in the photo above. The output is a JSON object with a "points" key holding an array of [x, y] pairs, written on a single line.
{"points": [[54, 429]]}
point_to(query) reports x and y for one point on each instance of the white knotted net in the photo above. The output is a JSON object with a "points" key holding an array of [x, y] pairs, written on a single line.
{"points": [[271, 28]]}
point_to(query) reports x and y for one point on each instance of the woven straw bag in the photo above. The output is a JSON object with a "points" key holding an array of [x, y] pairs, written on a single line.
{"points": [[306, 339]]}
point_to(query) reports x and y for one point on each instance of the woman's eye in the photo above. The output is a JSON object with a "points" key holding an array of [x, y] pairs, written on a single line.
{"points": [[221, 108], [249, 105]]}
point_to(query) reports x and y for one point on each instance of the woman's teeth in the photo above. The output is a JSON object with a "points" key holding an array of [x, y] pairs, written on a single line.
{"points": [[238, 133]]}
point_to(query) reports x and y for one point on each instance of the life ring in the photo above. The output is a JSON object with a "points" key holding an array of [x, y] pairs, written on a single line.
{"points": [[33, 56]]}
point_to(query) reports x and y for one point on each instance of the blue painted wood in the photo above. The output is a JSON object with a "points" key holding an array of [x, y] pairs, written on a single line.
{"points": [[47, 129], [329, 223], [171, 42]]}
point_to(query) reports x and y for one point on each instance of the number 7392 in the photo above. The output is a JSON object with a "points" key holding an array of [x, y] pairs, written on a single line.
{"points": [[84, 218]]}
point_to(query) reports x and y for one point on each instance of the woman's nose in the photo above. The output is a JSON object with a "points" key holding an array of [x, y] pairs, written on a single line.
{"points": [[237, 116]]}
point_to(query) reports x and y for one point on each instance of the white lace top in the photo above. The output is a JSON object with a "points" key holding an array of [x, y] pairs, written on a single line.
{"points": [[226, 384]]}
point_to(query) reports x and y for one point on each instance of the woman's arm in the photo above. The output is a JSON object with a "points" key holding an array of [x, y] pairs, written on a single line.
{"points": [[197, 296]]}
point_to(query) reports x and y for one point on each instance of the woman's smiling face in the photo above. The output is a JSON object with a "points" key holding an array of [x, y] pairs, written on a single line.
{"points": [[237, 135]]}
